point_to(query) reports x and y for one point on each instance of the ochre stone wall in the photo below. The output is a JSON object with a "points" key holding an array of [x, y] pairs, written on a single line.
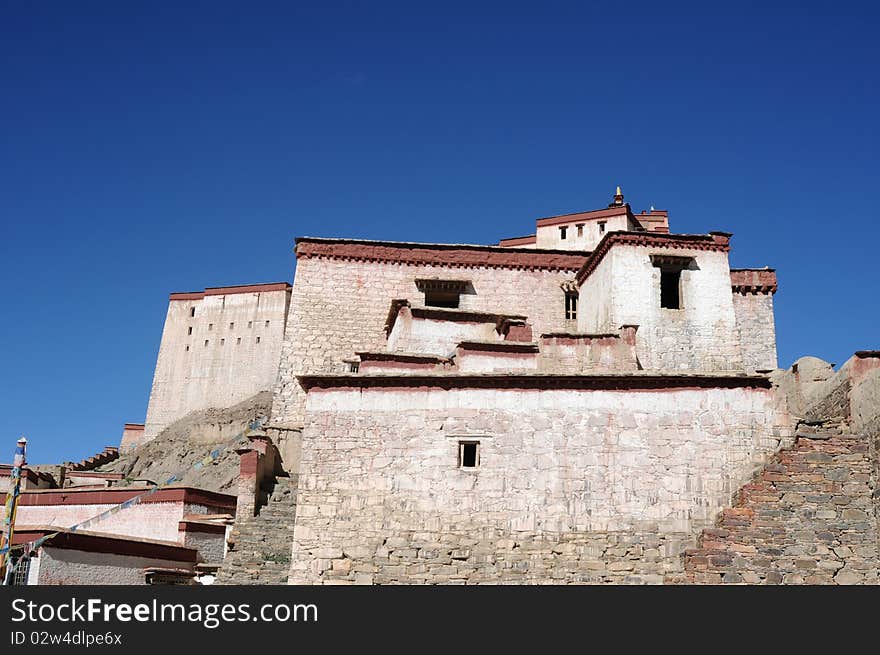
{"points": [[339, 307], [380, 483]]}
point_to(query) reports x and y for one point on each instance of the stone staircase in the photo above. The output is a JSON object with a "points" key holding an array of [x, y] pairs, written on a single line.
{"points": [[806, 518], [109, 454], [260, 550]]}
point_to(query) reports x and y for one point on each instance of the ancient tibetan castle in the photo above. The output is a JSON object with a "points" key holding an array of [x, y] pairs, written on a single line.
{"points": [[596, 402]]}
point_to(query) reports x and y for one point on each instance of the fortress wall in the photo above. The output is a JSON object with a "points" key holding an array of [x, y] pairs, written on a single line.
{"points": [[382, 497], [220, 363], [340, 306], [757, 329]]}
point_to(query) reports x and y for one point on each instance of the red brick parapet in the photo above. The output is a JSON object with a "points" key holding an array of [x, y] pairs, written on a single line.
{"points": [[439, 254], [609, 212], [715, 241], [226, 291], [753, 280]]}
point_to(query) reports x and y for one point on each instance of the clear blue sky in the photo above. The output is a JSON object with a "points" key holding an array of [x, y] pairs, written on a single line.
{"points": [[150, 147]]}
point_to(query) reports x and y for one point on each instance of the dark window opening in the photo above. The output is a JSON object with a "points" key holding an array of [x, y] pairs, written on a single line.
{"points": [[449, 299], [250, 324], [562, 232], [192, 311], [187, 349], [580, 228], [222, 342], [232, 326], [468, 454], [602, 225], [267, 323], [210, 326], [670, 289], [353, 367], [189, 330], [206, 342], [258, 339], [571, 305], [238, 341]]}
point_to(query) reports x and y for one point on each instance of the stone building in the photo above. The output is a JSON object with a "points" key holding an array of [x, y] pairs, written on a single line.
{"points": [[219, 347], [578, 405]]}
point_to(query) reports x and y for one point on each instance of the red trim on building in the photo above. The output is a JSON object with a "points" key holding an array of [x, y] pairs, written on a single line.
{"points": [[518, 241], [96, 474], [539, 381], [717, 241], [753, 280], [401, 357], [609, 212], [114, 496], [201, 526], [228, 291], [104, 543], [439, 254], [499, 346], [133, 426]]}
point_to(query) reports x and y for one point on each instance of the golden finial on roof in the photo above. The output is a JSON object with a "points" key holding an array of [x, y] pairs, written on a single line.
{"points": [[618, 198]]}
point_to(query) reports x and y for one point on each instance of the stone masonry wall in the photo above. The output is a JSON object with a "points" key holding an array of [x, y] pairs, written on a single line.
{"points": [[577, 470], [808, 518], [757, 329], [338, 307]]}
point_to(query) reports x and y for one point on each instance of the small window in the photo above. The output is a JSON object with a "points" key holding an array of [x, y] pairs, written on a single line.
{"points": [[238, 341], [189, 330], [206, 342], [232, 326], [222, 342], [468, 454], [448, 299], [353, 367], [192, 311], [258, 339], [562, 231], [267, 323], [571, 305], [187, 349], [580, 227], [670, 289], [250, 324], [210, 326], [602, 225]]}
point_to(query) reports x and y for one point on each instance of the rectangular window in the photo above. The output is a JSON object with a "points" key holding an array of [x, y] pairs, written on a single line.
{"points": [[192, 311], [222, 342], [468, 454], [602, 225], [449, 299], [258, 339], [206, 342], [187, 349], [562, 232], [250, 324], [238, 341], [571, 305], [670, 289], [267, 323], [210, 326], [580, 227], [232, 326], [189, 330], [353, 367]]}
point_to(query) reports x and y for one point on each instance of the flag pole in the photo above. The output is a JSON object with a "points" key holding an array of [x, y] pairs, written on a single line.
{"points": [[8, 531]]}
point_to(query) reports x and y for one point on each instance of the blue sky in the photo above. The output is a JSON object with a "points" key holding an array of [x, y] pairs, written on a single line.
{"points": [[156, 147]]}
